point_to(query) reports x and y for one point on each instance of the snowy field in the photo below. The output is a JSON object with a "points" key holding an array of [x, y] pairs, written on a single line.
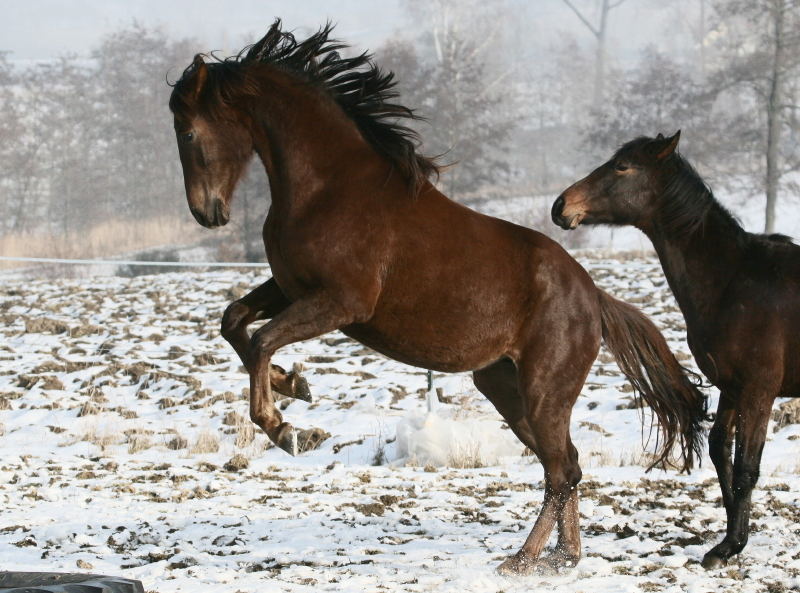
{"points": [[125, 449]]}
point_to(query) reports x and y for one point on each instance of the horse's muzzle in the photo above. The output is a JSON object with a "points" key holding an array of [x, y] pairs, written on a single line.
{"points": [[215, 216]]}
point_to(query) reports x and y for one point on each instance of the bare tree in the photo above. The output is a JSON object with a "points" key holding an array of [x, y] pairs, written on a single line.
{"points": [[600, 32], [774, 105], [658, 96], [762, 59], [450, 75]]}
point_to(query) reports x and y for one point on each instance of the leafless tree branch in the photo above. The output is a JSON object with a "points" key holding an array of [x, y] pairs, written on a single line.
{"points": [[583, 19]]}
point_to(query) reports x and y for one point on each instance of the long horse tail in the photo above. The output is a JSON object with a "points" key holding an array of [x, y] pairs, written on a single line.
{"points": [[658, 378]]}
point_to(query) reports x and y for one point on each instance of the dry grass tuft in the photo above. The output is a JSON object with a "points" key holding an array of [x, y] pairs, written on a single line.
{"points": [[237, 463], [467, 456], [101, 435], [245, 432], [138, 442], [88, 409], [177, 442], [207, 442]]}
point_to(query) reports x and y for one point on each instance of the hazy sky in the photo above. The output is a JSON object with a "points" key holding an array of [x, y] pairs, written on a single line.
{"points": [[43, 29]]}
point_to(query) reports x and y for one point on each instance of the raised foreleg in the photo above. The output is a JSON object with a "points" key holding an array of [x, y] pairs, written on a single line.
{"points": [[264, 302], [303, 319]]}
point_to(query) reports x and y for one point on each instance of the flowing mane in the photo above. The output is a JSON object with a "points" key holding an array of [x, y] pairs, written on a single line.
{"points": [[361, 89]]}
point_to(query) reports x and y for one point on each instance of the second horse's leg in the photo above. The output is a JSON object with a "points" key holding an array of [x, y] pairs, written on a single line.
{"points": [[752, 418]]}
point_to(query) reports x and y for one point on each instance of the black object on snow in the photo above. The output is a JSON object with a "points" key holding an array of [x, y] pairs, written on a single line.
{"points": [[59, 582]]}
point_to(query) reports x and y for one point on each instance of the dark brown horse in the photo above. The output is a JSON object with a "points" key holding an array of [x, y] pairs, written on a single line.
{"points": [[739, 294], [359, 240]]}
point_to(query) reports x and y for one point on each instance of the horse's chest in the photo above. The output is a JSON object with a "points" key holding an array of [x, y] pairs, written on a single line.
{"points": [[289, 268]]}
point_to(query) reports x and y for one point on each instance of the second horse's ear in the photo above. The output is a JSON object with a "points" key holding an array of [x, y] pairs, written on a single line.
{"points": [[201, 75], [672, 144]]}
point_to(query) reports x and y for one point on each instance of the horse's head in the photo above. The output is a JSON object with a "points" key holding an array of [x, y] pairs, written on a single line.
{"points": [[214, 143], [624, 190]]}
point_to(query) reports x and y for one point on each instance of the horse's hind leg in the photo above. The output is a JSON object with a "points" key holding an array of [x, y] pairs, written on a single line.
{"points": [[264, 302], [537, 404]]}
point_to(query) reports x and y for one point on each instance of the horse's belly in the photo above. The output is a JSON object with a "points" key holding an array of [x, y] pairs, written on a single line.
{"points": [[433, 346]]}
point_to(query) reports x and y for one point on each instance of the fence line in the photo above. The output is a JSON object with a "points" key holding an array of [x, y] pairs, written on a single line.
{"points": [[123, 262]]}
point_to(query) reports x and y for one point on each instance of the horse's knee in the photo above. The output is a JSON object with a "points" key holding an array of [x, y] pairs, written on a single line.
{"points": [[563, 480], [261, 347], [232, 319], [745, 480]]}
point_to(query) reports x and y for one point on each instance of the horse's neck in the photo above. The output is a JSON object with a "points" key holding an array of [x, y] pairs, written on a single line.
{"points": [[303, 141], [699, 265]]}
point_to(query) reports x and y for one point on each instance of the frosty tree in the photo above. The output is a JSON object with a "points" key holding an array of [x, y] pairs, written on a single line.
{"points": [[759, 73], [455, 85]]}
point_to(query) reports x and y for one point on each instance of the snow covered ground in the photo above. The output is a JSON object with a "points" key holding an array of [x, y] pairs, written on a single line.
{"points": [[125, 449]]}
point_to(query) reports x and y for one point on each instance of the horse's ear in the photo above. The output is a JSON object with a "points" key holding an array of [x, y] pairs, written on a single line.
{"points": [[201, 75], [660, 136], [672, 144]]}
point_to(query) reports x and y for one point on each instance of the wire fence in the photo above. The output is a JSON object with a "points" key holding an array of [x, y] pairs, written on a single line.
{"points": [[125, 262]]}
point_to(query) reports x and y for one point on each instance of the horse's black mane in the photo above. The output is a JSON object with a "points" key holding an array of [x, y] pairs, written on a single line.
{"points": [[358, 86], [687, 200]]}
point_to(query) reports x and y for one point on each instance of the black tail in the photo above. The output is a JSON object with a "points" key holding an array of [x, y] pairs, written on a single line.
{"points": [[657, 377]]}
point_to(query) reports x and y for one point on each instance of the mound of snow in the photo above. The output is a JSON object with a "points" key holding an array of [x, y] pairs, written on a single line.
{"points": [[443, 437]]}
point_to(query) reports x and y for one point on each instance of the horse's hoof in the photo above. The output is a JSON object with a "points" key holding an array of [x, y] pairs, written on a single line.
{"points": [[713, 561], [557, 563], [300, 388], [286, 439], [289, 384], [518, 565]]}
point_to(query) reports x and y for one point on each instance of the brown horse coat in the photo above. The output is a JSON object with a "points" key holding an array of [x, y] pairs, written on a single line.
{"points": [[359, 240]]}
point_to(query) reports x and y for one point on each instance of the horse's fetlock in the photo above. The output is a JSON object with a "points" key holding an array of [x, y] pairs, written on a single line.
{"points": [[572, 477], [257, 418]]}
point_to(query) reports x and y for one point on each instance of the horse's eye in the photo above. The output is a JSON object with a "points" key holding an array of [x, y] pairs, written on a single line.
{"points": [[187, 137], [621, 167]]}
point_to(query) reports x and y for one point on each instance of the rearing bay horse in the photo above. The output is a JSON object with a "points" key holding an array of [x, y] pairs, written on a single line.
{"points": [[359, 240], [739, 293]]}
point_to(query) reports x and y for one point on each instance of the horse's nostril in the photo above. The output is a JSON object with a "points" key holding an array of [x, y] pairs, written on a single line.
{"points": [[198, 215], [558, 208]]}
